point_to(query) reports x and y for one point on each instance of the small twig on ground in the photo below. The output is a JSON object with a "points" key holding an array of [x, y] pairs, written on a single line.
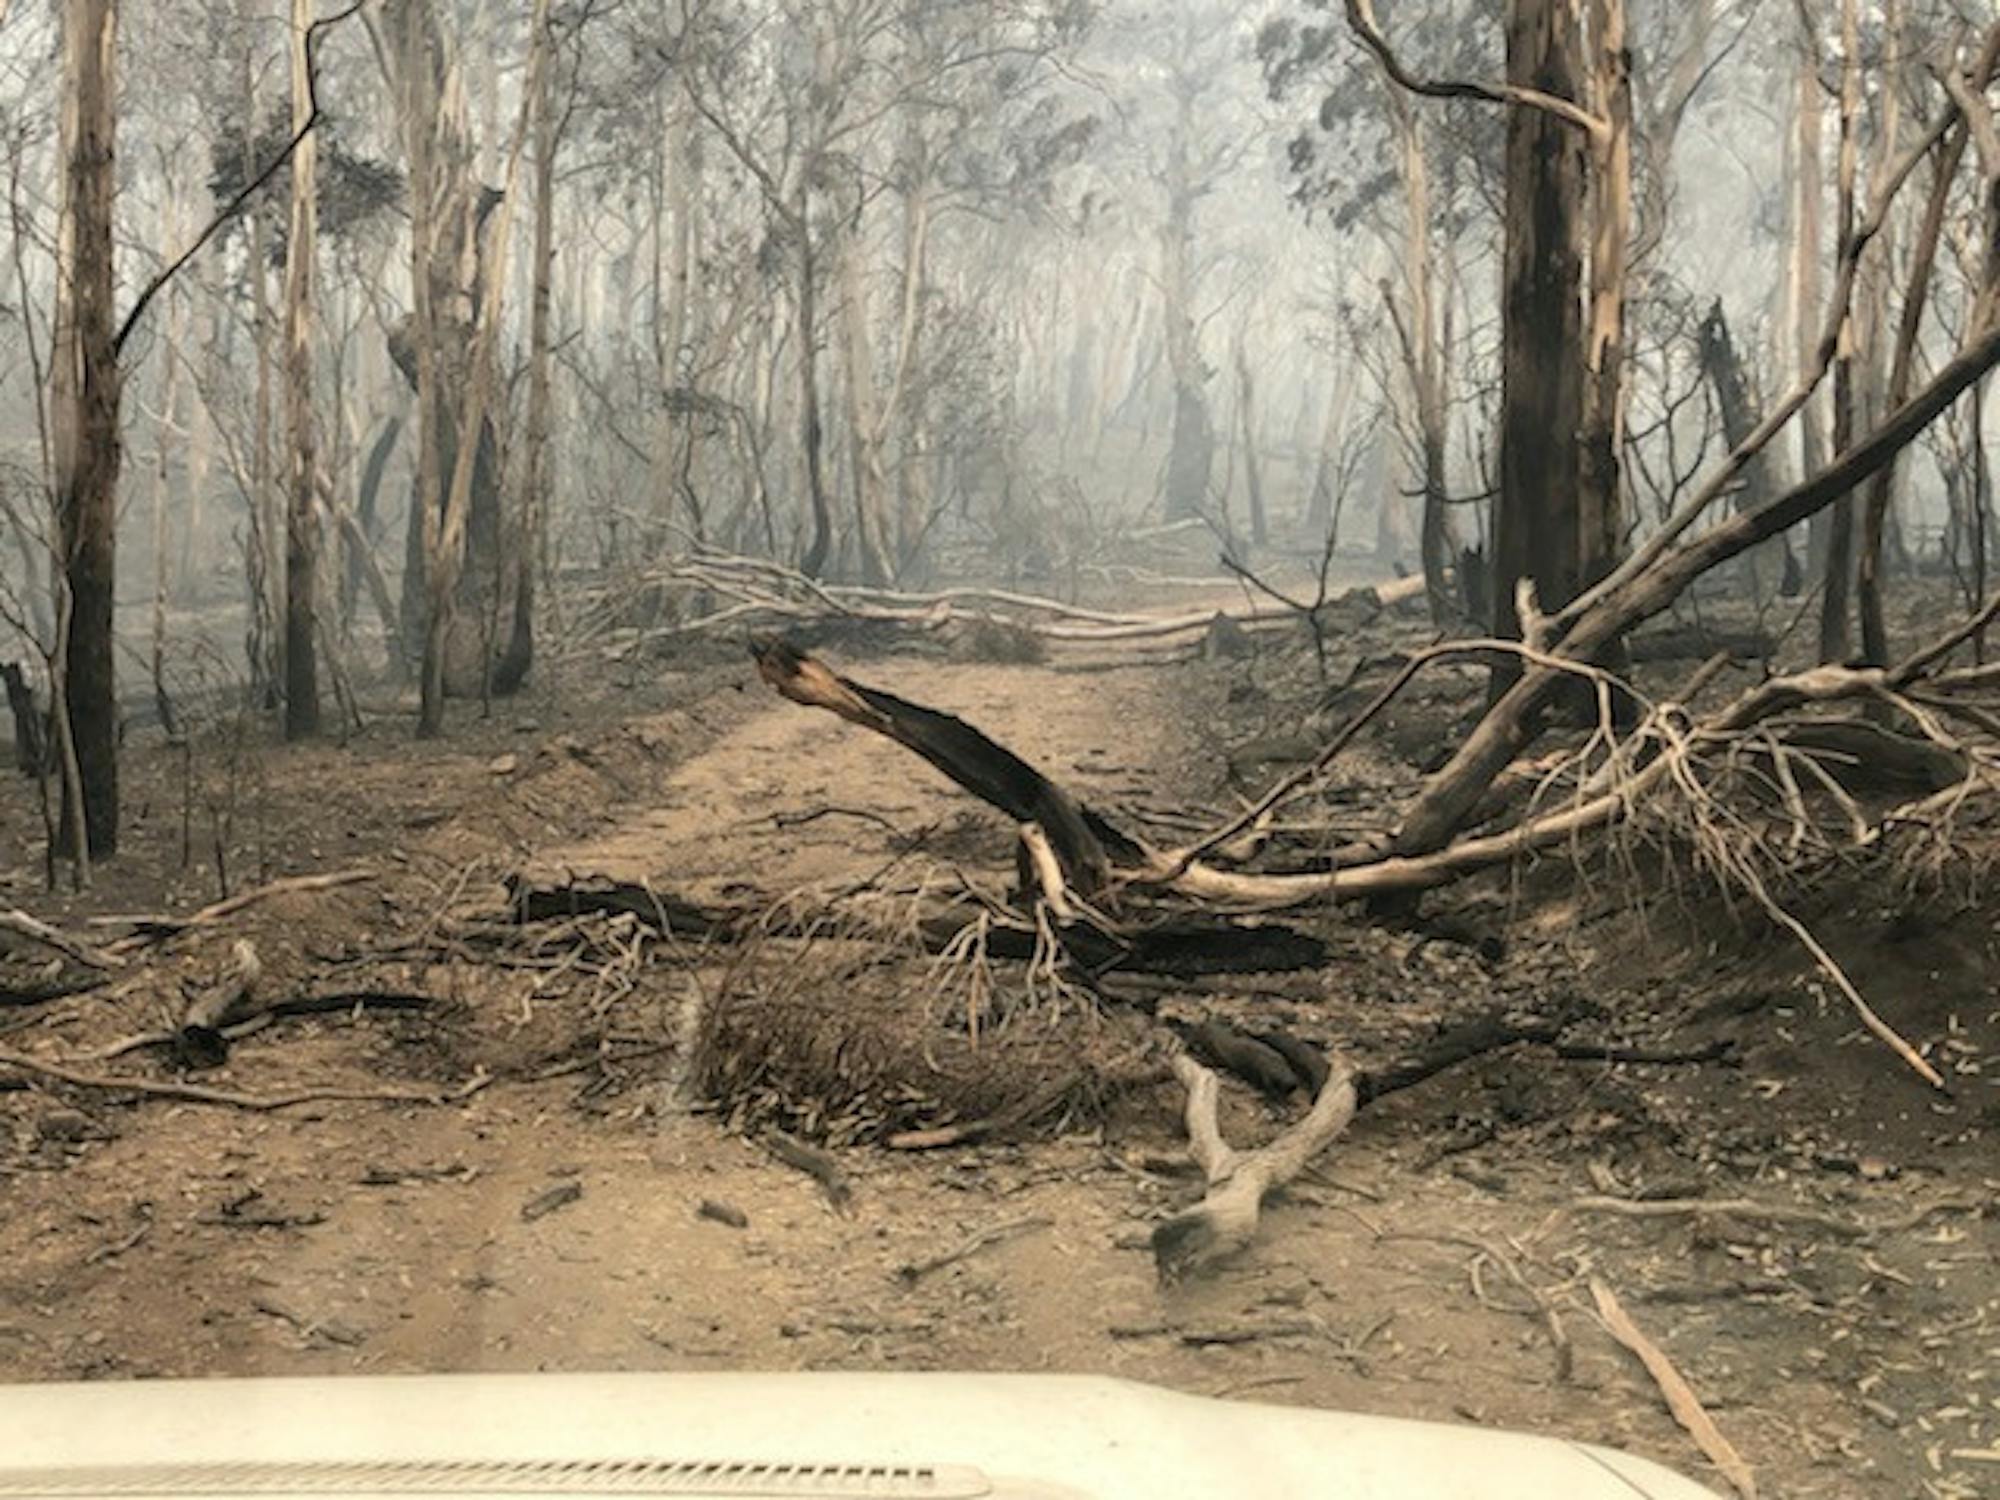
{"points": [[118, 1247], [1259, 1382], [801, 819], [156, 927], [912, 1272], [195, 1094], [1680, 1397], [1776, 1213], [1741, 1208], [304, 1005], [332, 1332], [549, 1200], [1830, 967], [1559, 1341], [719, 1212], [1720, 1050], [1247, 1333], [1565, 1352]]}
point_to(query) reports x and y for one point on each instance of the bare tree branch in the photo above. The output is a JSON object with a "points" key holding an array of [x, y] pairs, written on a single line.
{"points": [[250, 189], [1361, 18]]}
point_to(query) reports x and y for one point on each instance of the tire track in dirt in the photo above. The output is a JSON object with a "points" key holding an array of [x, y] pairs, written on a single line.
{"points": [[791, 797]]}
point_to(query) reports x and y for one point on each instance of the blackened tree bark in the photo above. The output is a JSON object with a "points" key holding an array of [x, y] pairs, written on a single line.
{"points": [[1722, 366], [87, 389], [812, 435], [1539, 520], [1600, 523]]}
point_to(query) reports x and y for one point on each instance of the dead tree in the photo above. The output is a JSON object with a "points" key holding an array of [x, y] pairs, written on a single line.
{"points": [[87, 445], [1977, 123], [1722, 366], [1567, 230], [454, 572]]}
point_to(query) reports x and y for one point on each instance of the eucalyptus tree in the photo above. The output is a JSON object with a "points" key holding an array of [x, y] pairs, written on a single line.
{"points": [[87, 388], [838, 113]]}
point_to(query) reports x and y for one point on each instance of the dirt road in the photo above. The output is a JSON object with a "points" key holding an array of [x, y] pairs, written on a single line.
{"points": [[560, 1224]]}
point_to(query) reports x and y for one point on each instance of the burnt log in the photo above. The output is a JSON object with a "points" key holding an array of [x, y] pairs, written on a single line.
{"points": [[1086, 844], [200, 1041]]}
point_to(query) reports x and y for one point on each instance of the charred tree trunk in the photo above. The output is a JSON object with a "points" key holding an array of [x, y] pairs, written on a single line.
{"points": [[812, 437], [864, 419], [1422, 337], [1539, 523], [367, 511], [87, 388], [454, 583], [1949, 154], [1320, 505], [163, 451], [1881, 489], [1723, 368]]}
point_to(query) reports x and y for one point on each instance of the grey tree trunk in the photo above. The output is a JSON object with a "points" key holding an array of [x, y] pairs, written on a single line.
{"points": [[302, 515]]}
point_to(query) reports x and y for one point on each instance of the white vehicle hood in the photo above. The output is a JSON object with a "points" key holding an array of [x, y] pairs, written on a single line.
{"points": [[943, 1436]]}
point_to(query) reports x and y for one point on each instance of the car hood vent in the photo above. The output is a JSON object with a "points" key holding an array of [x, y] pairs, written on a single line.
{"points": [[583, 1477]]}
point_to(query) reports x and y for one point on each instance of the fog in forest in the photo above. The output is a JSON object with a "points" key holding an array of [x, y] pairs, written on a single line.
{"points": [[1089, 546], [897, 292]]}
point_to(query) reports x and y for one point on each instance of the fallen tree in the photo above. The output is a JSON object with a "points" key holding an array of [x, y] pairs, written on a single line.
{"points": [[750, 593], [1613, 779]]}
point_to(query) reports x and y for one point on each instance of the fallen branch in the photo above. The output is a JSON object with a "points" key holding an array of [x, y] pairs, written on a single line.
{"points": [[1649, 582], [1736, 1208], [157, 928], [302, 1005], [1680, 1397], [1225, 1221], [200, 1040], [767, 595], [46, 987], [967, 1132], [196, 1094], [914, 1271], [1084, 843], [36, 930]]}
